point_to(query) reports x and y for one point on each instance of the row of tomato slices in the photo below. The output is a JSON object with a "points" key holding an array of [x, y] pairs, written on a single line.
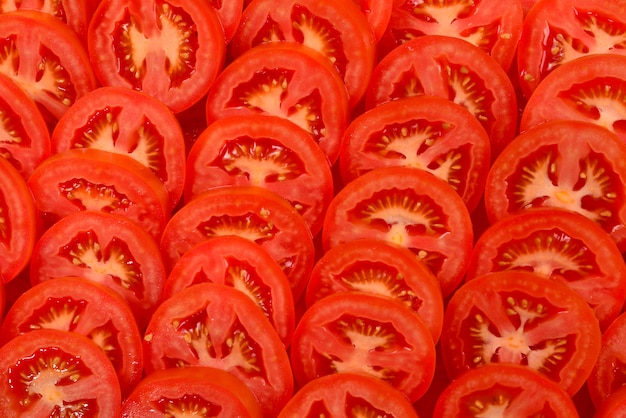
{"points": [[426, 159]]}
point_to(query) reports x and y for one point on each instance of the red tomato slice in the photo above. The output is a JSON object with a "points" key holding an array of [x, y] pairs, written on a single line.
{"points": [[18, 222], [410, 207], [559, 31], [609, 373], [494, 26], [266, 151], [250, 212], [73, 13], [614, 406], [128, 122], [48, 373], [494, 388], [521, 318], [214, 325], [82, 179], [229, 13], [46, 58], [289, 80], [568, 164], [172, 50], [378, 13], [243, 264], [425, 132], [382, 268], [336, 29], [451, 68], [368, 334], [87, 308], [348, 394], [202, 391], [107, 249]]}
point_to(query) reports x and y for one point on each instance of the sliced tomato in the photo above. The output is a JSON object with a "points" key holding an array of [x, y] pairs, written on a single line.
{"points": [[18, 222], [289, 80], [80, 179], [243, 264], [568, 164], [348, 394], [494, 388], [382, 268], [559, 31], [378, 13], [368, 334], [495, 26], [55, 373], [336, 29], [520, 317], [250, 212], [229, 13], [201, 391], [456, 70], [214, 325], [614, 406], [410, 207], [172, 50], [129, 122], [425, 132], [266, 151], [73, 13], [87, 308], [46, 58]]}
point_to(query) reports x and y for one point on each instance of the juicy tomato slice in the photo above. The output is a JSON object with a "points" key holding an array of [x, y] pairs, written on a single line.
{"points": [[129, 122], [243, 264], [589, 90], [250, 212], [172, 50], [382, 268], [350, 395], [229, 13], [443, 66], [73, 13], [107, 249], [378, 13], [82, 179], [494, 388], [559, 31], [87, 308], [267, 151], [289, 80], [338, 30], [18, 222], [368, 334], [425, 132], [201, 391], [410, 207], [214, 325], [568, 164], [24, 136], [53, 373], [46, 58], [609, 373], [614, 406], [520, 317]]}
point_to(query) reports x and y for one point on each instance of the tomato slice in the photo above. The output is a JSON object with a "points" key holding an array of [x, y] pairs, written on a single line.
{"points": [[289, 80], [229, 13], [266, 151], [348, 394], [410, 207], [425, 132], [382, 268], [250, 212], [378, 13], [614, 406], [494, 388], [87, 308], [82, 179], [201, 391], [336, 29], [568, 164], [243, 264], [451, 68], [104, 248], [520, 317], [57, 373], [214, 325], [73, 13], [172, 50], [129, 122]]}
